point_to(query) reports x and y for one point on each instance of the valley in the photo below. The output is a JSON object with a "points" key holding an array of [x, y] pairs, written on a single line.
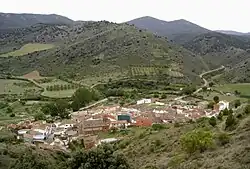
{"points": [[143, 94]]}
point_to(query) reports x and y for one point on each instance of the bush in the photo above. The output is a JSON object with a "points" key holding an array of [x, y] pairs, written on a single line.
{"points": [[223, 138], [163, 96], [225, 112], [212, 121], [237, 103], [197, 140], [12, 115], [157, 127], [247, 109], [210, 105], [220, 116], [39, 116], [230, 122]]}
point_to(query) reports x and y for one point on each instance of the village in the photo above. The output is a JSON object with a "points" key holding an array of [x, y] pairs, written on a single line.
{"points": [[85, 125]]}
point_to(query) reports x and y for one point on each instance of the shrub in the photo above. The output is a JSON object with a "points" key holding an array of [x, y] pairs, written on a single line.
{"points": [[163, 96], [216, 99], [247, 109], [223, 138], [212, 121], [237, 103], [12, 115], [210, 105], [197, 140], [225, 112], [158, 127], [220, 116], [39, 116], [230, 122]]}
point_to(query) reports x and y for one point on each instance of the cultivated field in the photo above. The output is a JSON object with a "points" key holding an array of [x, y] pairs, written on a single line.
{"points": [[59, 94], [28, 48], [8, 86], [33, 75], [153, 70]]}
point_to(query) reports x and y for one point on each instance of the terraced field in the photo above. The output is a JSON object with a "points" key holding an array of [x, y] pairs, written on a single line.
{"points": [[28, 48], [153, 70]]}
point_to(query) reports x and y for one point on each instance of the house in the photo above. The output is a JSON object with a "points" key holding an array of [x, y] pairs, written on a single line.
{"points": [[223, 105], [144, 122], [108, 140], [143, 101], [67, 124], [123, 124], [93, 126]]}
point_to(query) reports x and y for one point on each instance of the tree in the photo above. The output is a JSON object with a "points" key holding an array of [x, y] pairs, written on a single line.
{"points": [[237, 103], [58, 108], [103, 156], [197, 140], [189, 90], [204, 88], [39, 116], [81, 97], [211, 84], [61, 109], [212, 121], [216, 99]]}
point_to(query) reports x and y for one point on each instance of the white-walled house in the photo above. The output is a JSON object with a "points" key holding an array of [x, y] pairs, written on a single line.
{"points": [[223, 105], [143, 101]]}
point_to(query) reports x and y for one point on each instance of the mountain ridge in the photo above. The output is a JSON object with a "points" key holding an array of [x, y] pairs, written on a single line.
{"points": [[171, 29], [22, 20]]}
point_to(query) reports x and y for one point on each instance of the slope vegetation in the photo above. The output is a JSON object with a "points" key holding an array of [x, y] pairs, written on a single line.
{"points": [[98, 48], [220, 49]]}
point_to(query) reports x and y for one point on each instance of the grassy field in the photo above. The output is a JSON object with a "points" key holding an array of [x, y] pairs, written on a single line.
{"points": [[243, 88], [28, 48], [59, 94], [211, 95], [8, 86]]}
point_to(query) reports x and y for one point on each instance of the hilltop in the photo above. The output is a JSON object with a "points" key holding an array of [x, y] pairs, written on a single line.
{"points": [[179, 31], [13, 20], [93, 49]]}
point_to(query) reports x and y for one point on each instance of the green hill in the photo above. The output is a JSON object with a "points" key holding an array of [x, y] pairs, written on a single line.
{"points": [[93, 49], [220, 49]]}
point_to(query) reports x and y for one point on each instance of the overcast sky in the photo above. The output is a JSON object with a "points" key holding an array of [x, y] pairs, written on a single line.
{"points": [[211, 14]]}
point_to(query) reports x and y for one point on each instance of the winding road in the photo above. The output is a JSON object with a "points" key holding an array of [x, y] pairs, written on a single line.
{"points": [[205, 81]]}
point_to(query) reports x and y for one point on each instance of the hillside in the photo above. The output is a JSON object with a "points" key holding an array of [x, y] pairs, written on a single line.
{"points": [[220, 49], [93, 49], [179, 31], [12, 20], [233, 32]]}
